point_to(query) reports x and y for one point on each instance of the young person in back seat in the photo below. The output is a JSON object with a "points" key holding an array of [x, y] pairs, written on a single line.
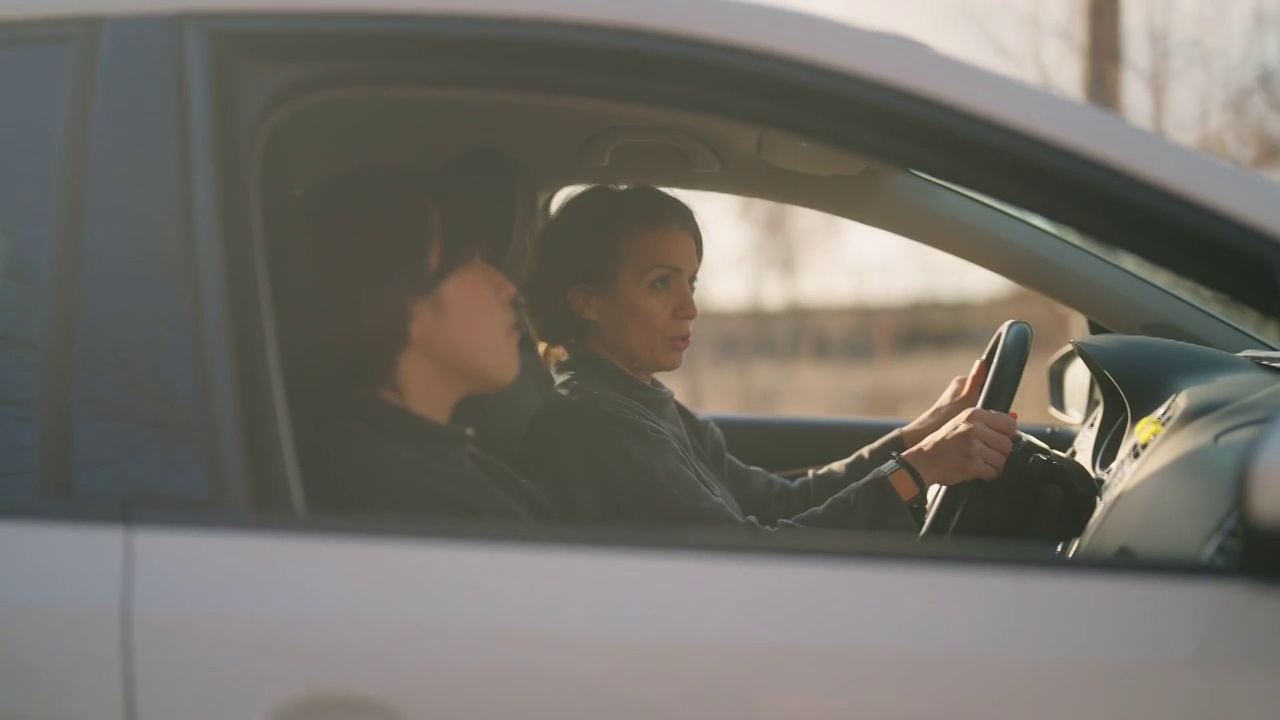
{"points": [[496, 189], [416, 319]]}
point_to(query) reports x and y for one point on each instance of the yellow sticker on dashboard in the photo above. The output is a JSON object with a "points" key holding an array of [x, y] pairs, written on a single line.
{"points": [[1147, 429]]}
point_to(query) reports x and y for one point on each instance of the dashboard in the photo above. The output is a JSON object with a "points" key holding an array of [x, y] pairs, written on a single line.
{"points": [[1168, 430]]}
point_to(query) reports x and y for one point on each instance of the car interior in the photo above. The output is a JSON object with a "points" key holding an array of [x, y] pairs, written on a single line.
{"points": [[515, 150]]}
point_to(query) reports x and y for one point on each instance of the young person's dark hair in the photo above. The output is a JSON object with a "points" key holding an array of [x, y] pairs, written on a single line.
{"points": [[380, 239], [493, 191], [579, 248]]}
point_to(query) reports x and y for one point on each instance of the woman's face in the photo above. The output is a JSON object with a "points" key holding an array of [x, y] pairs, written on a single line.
{"points": [[466, 331], [645, 323]]}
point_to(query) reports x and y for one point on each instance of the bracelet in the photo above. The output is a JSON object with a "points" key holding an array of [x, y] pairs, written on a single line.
{"points": [[912, 471]]}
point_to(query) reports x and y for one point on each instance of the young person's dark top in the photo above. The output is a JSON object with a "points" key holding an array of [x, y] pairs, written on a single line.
{"points": [[607, 447], [387, 460]]}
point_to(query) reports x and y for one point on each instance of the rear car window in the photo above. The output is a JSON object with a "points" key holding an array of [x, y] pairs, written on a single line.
{"points": [[32, 117], [138, 422]]}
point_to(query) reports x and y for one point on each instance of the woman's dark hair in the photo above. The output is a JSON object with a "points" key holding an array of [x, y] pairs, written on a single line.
{"points": [[579, 248], [376, 250]]}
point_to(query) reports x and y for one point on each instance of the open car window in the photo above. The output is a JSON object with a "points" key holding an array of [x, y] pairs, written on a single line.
{"points": [[805, 313]]}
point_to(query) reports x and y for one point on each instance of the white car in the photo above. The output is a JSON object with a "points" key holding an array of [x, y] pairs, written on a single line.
{"points": [[157, 557]]}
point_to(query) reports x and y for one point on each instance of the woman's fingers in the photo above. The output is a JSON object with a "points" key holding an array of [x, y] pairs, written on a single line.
{"points": [[990, 443], [997, 441], [975, 444], [1002, 423], [992, 463], [973, 383]]}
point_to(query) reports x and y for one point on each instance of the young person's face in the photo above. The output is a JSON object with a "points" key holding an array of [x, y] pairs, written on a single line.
{"points": [[645, 322], [466, 330]]}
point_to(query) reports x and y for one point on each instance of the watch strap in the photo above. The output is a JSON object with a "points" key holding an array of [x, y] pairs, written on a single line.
{"points": [[921, 487]]}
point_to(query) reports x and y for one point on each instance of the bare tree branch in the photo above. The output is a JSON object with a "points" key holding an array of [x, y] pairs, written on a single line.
{"points": [[1209, 70], [1038, 32], [1159, 29]]}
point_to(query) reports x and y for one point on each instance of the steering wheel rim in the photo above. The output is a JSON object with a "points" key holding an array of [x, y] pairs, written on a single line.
{"points": [[1005, 359]]}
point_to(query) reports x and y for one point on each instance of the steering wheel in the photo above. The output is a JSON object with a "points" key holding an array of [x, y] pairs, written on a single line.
{"points": [[1005, 359]]}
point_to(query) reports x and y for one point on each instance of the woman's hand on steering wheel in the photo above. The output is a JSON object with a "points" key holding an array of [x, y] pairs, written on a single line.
{"points": [[974, 444], [962, 393]]}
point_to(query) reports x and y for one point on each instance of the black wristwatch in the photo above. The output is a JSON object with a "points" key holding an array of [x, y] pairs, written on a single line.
{"points": [[922, 490]]}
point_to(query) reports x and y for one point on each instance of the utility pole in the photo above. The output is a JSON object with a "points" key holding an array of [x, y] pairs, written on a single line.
{"points": [[1103, 54]]}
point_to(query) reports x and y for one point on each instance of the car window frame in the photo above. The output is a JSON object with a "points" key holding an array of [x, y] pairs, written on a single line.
{"points": [[1186, 291], [220, 36]]}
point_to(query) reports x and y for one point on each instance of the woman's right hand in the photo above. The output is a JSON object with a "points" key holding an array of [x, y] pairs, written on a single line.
{"points": [[973, 444]]}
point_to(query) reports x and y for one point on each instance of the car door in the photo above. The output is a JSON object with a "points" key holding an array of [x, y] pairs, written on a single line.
{"points": [[283, 625], [277, 613]]}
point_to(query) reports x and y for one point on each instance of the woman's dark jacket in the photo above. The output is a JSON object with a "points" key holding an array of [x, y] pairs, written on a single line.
{"points": [[607, 447]]}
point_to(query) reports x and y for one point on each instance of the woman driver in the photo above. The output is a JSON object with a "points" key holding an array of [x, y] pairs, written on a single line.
{"points": [[610, 292]]}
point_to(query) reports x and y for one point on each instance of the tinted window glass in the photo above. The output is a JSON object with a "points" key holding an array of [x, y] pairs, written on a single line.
{"points": [[136, 408], [32, 104]]}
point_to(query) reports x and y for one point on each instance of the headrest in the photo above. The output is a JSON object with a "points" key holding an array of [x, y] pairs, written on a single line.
{"points": [[496, 187]]}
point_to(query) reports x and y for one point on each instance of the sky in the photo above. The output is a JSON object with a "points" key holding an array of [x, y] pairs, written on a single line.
{"points": [[1035, 41]]}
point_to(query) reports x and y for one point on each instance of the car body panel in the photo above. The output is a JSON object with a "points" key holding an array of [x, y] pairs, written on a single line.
{"points": [[62, 599], [266, 624]]}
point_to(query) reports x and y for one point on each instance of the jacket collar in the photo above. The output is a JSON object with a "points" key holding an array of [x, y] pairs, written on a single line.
{"points": [[591, 369]]}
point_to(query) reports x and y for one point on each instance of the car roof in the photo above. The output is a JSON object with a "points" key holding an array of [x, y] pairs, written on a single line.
{"points": [[877, 57]]}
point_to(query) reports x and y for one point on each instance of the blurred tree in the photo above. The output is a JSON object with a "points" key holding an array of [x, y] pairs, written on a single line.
{"points": [[784, 236], [1201, 72], [773, 266]]}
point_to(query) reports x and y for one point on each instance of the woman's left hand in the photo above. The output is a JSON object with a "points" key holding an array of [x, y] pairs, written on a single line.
{"points": [[962, 393]]}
